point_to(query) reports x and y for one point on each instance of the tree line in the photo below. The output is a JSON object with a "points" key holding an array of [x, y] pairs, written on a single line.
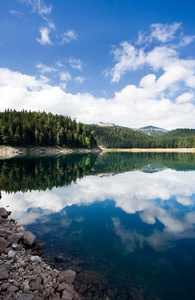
{"points": [[42, 129], [45, 129], [128, 138]]}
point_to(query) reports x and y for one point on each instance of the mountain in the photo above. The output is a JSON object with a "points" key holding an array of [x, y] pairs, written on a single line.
{"points": [[110, 125], [149, 130], [152, 130]]}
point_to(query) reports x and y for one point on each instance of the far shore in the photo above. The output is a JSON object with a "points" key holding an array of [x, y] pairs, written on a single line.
{"points": [[178, 150], [8, 151]]}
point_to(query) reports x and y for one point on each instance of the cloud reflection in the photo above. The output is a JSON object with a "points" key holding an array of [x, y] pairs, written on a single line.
{"points": [[155, 196]]}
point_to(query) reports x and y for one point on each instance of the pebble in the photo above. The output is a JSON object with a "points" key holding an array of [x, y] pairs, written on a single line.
{"points": [[24, 276]]}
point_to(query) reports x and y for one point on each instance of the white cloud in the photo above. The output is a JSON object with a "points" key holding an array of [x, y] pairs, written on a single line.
{"points": [[185, 97], [186, 40], [16, 13], [132, 106], [128, 57], [51, 24], [164, 32], [138, 197], [76, 63], [65, 76], [69, 36], [79, 79], [45, 69], [45, 39], [38, 6]]}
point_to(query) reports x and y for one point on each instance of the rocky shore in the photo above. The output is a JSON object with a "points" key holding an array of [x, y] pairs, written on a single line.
{"points": [[8, 152], [24, 275]]}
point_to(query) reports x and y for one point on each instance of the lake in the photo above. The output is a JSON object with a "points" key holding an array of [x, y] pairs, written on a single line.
{"points": [[128, 216]]}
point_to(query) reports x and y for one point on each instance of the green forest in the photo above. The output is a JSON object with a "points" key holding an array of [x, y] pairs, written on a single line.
{"points": [[45, 129], [42, 129], [128, 138]]}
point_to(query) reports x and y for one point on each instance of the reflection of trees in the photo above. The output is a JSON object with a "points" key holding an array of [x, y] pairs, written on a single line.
{"points": [[40, 173], [125, 161]]}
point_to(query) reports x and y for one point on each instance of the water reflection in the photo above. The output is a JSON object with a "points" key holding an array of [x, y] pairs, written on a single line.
{"points": [[127, 215], [167, 196]]}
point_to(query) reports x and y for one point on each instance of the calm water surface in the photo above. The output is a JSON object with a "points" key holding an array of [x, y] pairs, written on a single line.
{"points": [[130, 217]]}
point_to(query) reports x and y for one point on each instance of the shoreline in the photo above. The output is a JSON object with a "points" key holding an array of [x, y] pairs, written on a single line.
{"points": [[9, 152], [25, 275], [157, 150]]}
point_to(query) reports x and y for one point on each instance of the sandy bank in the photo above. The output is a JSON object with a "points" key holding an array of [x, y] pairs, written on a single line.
{"points": [[158, 150]]}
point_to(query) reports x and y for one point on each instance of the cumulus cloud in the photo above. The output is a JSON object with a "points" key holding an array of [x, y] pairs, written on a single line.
{"points": [[138, 197], [163, 58], [45, 39], [164, 32], [132, 106], [128, 58], [185, 98]]}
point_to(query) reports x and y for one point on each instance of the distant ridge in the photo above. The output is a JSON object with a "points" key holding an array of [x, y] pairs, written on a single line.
{"points": [[152, 130], [149, 130]]}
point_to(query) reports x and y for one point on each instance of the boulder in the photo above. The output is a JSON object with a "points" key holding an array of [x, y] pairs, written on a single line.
{"points": [[3, 245], [29, 239], [3, 212], [67, 276], [4, 269]]}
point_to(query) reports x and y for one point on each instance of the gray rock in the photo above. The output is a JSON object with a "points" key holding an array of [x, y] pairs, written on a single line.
{"points": [[35, 284], [35, 259], [61, 287], [3, 244], [67, 276], [4, 271], [20, 229], [3, 213], [4, 286], [25, 296], [29, 238], [12, 288], [11, 254], [66, 295], [14, 238]]}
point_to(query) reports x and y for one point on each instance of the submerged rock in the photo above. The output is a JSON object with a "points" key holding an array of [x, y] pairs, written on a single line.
{"points": [[24, 276]]}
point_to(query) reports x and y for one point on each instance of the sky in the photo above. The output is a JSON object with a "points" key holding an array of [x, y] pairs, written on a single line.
{"points": [[127, 62]]}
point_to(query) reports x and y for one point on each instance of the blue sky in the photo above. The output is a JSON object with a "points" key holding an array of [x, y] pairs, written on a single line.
{"points": [[127, 62]]}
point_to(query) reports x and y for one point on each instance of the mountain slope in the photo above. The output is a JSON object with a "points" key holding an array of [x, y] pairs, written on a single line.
{"points": [[180, 132], [149, 130], [152, 130]]}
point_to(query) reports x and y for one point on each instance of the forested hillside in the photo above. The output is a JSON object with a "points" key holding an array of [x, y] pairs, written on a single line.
{"points": [[42, 129], [123, 138], [180, 132]]}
